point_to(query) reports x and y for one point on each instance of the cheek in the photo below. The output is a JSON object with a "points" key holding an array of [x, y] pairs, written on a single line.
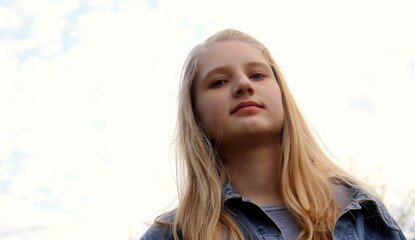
{"points": [[279, 108], [211, 113], [276, 99]]}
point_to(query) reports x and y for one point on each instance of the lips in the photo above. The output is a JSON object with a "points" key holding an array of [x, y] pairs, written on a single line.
{"points": [[245, 104]]}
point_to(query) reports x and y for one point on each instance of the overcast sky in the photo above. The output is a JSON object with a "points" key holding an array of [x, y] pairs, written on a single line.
{"points": [[88, 100]]}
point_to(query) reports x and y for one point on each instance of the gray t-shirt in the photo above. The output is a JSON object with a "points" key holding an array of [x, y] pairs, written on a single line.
{"points": [[285, 219]]}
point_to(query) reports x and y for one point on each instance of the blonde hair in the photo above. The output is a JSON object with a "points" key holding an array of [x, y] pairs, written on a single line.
{"points": [[306, 172]]}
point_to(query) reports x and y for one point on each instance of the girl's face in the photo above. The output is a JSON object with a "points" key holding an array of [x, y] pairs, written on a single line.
{"points": [[236, 93]]}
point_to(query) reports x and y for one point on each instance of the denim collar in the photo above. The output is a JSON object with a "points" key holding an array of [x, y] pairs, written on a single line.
{"points": [[228, 192], [361, 199]]}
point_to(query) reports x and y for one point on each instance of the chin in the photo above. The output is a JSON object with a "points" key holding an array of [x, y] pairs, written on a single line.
{"points": [[252, 130]]}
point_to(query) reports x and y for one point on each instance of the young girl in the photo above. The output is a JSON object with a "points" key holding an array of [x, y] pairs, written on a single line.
{"points": [[253, 170]]}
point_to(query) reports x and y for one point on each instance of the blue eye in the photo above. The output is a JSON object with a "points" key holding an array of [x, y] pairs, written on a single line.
{"points": [[219, 83], [257, 76]]}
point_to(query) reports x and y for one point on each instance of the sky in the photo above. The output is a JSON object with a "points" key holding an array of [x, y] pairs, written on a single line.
{"points": [[88, 97]]}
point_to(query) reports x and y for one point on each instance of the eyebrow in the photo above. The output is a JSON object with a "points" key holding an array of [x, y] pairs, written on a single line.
{"points": [[224, 69], [261, 64]]}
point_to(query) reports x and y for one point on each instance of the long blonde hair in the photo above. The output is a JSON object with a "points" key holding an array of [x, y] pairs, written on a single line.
{"points": [[306, 172]]}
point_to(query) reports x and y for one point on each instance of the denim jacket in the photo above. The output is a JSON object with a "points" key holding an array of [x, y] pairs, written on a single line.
{"points": [[364, 218]]}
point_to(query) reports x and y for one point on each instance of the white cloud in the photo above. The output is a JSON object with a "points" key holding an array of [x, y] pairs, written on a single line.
{"points": [[9, 19], [47, 20], [124, 73], [101, 3]]}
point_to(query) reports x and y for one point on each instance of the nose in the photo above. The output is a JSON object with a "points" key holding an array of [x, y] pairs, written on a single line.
{"points": [[243, 86]]}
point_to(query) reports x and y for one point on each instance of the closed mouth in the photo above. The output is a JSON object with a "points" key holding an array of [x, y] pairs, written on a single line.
{"points": [[245, 104]]}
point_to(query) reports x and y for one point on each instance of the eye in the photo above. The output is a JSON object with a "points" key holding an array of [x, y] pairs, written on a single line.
{"points": [[257, 76], [218, 83]]}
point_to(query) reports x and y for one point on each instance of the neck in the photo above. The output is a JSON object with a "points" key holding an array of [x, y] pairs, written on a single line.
{"points": [[254, 171]]}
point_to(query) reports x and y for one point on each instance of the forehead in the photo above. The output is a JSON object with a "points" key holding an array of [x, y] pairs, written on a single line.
{"points": [[228, 54]]}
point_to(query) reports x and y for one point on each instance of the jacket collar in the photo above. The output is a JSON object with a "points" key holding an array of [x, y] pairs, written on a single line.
{"points": [[363, 199], [228, 192], [360, 199]]}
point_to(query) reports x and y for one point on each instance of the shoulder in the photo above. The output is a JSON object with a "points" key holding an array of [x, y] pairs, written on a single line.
{"points": [[343, 194], [366, 216], [161, 228], [372, 206], [355, 197]]}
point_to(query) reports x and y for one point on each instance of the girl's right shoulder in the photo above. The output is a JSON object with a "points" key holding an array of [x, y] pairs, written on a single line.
{"points": [[161, 228]]}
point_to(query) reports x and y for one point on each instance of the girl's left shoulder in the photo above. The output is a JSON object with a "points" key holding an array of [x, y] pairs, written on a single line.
{"points": [[363, 215]]}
